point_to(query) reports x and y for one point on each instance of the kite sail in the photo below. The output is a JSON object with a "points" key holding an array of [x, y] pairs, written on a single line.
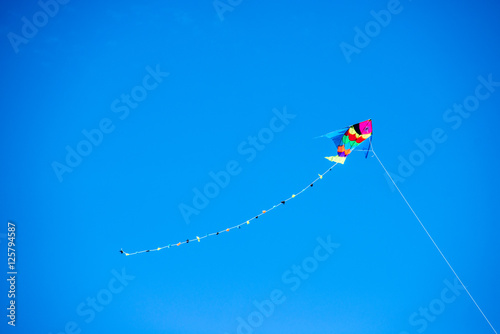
{"points": [[348, 139]]}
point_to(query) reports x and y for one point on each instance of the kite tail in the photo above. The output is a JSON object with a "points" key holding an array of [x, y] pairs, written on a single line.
{"points": [[336, 158]]}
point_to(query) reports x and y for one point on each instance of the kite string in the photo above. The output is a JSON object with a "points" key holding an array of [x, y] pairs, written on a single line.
{"points": [[428, 234], [320, 176]]}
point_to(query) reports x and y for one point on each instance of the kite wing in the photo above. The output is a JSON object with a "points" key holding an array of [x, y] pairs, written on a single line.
{"points": [[348, 139]]}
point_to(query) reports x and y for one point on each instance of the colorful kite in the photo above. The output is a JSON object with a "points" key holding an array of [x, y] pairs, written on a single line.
{"points": [[348, 139]]}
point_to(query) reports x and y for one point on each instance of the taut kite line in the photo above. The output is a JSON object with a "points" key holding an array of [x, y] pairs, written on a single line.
{"points": [[346, 140]]}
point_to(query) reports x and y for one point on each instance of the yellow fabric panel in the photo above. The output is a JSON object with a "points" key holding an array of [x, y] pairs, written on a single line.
{"points": [[336, 158]]}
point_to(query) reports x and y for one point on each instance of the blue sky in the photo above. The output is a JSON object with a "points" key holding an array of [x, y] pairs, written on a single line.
{"points": [[158, 97]]}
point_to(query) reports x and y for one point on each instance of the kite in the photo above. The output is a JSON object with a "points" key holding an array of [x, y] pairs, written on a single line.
{"points": [[348, 139]]}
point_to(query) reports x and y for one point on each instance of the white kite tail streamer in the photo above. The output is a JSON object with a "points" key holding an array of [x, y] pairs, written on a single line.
{"points": [[320, 176], [428, 234]]}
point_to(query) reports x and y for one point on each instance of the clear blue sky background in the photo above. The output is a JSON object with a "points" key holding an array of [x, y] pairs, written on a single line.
{"points": [[225, 78]]}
